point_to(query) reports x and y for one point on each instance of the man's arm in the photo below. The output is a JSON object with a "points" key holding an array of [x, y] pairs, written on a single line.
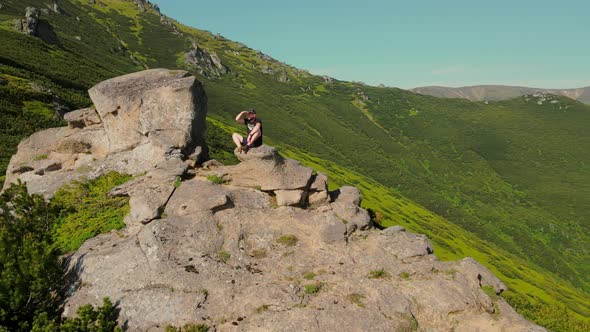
{"points": [[239, 117]]}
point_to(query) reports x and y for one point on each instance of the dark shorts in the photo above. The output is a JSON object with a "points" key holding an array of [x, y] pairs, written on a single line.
{"points": [[256, 143]]}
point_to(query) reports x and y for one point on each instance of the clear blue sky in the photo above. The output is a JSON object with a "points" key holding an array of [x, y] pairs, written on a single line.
{"points": [[409, 43]]}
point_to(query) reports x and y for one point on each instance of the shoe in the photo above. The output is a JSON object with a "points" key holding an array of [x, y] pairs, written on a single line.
{"points": [[239, 149], [245, 148]]}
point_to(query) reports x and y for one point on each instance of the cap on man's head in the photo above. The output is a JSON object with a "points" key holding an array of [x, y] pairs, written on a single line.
{"points": [[252, 111]]}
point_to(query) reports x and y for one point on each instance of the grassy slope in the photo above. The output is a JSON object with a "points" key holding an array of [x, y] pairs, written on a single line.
{"points": [[476, 165]]}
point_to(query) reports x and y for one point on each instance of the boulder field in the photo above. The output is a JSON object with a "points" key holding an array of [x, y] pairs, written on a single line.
{"points": [[258, 246]]}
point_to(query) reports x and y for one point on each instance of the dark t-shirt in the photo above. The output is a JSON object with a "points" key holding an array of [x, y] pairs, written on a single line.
{"points": [[250, 124]]}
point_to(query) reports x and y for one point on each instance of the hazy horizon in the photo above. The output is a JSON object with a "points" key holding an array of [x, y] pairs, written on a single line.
{"points": [[409, 44]]}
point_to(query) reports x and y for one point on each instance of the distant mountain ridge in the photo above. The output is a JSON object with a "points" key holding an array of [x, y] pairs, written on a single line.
{"points": [[499, 92]]}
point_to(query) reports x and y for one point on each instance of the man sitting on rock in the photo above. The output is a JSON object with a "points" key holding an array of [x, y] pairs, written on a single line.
{"points": [[254, 128]]}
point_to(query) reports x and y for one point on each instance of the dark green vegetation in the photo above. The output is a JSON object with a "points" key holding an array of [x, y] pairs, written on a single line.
{"points": [[379, 274], [33, 277], [312, 289], [216, 179], [287, 240], [86, 210], [101, 319], [507, 182]]}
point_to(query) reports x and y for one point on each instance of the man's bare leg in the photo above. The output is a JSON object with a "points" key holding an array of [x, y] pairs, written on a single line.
{"points": [[238, 139]]}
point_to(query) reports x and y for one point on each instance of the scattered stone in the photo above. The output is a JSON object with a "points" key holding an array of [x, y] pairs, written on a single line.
{"points": [[207, 64], [267, 70], [82, 118], [154, 6], [30, 23], [284, 77], [211, 164], [55, 7], [264, 57], [346, 205], [142, 5]]}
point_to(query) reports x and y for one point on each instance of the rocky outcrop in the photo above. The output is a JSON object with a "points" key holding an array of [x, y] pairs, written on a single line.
{"points": [[147, 123], [283, 76], [142, 5], [168, 22], [227, 256], [154, 6], [207, 64], [258, 246], [30, 23]]}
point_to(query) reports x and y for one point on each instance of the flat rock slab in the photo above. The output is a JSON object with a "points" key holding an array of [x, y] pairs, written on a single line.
{"points": [[197, 195], [289, 197], [266, 170]]}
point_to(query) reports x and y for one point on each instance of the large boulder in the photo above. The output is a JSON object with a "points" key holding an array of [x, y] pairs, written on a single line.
{"points": [[164, 107]]}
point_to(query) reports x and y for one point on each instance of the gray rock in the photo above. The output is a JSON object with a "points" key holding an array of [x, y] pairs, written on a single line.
{"points": [[327, 79], [195, 157], [141, 4], [55, 7], [211, 164], [164, 107], [198, 195], [318, 198], [320, 183], [332, 229], [346, 205], [207, 64], [264, 168], [176, 263], [154, 6], [30, 23], [405, 245], [289, 197], [283, 77], [267, 70], [264, 57], [82, 118], [478, 275]]}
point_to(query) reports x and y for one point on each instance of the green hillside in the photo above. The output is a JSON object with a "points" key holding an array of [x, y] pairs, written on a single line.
{"points": [[505, 182]]}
